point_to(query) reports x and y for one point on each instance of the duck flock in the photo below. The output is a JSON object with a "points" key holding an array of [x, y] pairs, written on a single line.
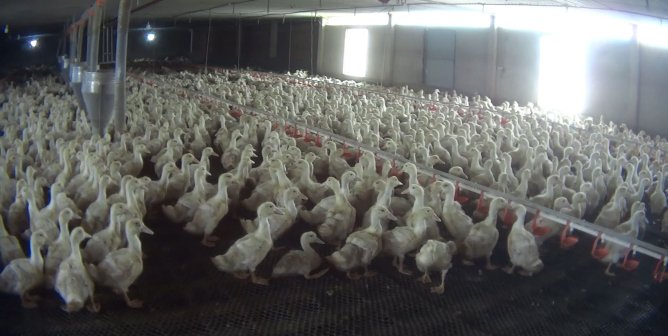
{"points": [[79, 201]]}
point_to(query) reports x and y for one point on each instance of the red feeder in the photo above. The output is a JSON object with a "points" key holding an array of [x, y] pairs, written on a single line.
{"points": [[318, 143], [508, 217], [630, 264], [504, 121], [235, 114], [459, 198], [537, 230], [660, 273], [567, 241], [480, 204], [394, 171], [598, 252]]}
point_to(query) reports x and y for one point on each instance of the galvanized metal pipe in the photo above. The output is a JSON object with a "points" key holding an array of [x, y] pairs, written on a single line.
{"points": [[94, 37], [121, 64]]}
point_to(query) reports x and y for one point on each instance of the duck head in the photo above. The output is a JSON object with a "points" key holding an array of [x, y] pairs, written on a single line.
{"points": [[267, 209]]}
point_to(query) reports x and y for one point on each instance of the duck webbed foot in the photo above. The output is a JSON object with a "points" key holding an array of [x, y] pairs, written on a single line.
{"points": [[489, 266], [425, 278], [93, 307], [608, 271], [136, 304], [317, 275], [509, 269], [209, 241], [353, 276], [241, 275], [401, 267], [258, 281]]}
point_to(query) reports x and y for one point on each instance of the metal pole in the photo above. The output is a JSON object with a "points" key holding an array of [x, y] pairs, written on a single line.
{"points": [[208, 39], [290, 47], [121, 62], [238, 43], [94, 37]]}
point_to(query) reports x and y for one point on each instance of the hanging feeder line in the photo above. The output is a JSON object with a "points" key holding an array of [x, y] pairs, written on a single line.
{"points": [[600, 233], [430, 104]]}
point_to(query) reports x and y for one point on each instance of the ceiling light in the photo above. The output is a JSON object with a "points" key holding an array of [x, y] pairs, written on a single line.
{"points": [[33, 43], [150, 36]]}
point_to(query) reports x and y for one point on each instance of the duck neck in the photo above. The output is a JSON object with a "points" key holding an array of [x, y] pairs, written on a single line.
{"points": [[419, 201], [134, 244], [36, 258], [385, 197], [375, 226], [306, 246], [64, 233], [222, 191], [263, 231], [492, 214], [74, 248]]}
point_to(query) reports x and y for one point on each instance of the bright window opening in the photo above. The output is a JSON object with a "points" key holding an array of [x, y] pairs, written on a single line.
{"points": [[377, 19], [562, 81], [355, 52], [462, 19], [653, 35]]}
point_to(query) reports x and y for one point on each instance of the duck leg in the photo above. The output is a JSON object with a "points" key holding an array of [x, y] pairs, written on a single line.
{"points": [[93, 307], [27, 303], [401, 267], [353, 276], [488, 265], [440, 288], [509, 269], [367, 273], [241, 275], [425, 278], [395, 262], [608, 271], [317, 275], [257, 280], [132, 303], [467, 262], [209, 240]]}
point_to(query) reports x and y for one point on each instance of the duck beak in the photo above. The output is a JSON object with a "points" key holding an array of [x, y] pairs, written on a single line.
{"points": [[146, 230], [406, 192], [318, 241], [215, 154], [435, 217], [279, 211], [75, 216], [391, 216]]}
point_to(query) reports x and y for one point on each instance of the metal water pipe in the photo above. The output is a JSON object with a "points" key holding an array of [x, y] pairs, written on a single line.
{"points": [[121, 63]]}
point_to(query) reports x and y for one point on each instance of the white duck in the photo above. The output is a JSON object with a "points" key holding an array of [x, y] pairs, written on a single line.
{"points": [[122, 267], [455, 220], [362, 246], [403, 239], [187, 205], [209, 213], [318, 214], [435, 255], [483, 236], [522, 247], [279, 224], [97, 214], [73, 282], [60, 249], [630, 228], [107, 239], [339, 219], [301, 262], [246, 253], [24, 274], [10, 248]]}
